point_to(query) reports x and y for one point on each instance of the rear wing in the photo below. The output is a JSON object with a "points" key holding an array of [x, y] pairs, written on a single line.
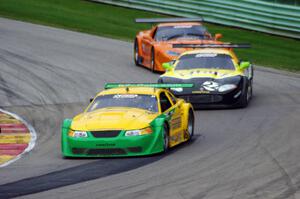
{"points": [[224, 45], [149, 85], [168, 20]]}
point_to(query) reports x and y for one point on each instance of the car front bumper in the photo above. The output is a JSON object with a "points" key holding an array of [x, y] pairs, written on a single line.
{"points": [[112, 147], [217, 100]]}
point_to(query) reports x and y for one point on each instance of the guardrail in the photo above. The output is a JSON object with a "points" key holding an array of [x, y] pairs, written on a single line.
{"points": [[256, 15]]}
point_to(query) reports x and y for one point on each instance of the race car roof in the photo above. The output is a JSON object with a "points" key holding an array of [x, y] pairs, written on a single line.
{"points": [[208, 50], [180, 24], [126, 90], [223, 48], [225, 51], [212, 45], [139, 88], [147, 85]]}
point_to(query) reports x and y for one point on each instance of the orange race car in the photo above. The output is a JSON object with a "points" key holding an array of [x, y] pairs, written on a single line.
{"points": [[154, 47]]}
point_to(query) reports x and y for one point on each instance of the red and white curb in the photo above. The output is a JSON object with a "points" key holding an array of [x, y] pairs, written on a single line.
{"points": [[13, 144]]}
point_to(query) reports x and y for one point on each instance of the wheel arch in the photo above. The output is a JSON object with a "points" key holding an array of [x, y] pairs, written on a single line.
{"points": [[168, 126], [154, 53], [64, 133], [187, 107], [158, 124], [137, 40]]}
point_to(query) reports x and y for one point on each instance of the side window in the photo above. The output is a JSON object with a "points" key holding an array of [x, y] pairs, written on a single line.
{"points": [[165, 104], [173, 99]]}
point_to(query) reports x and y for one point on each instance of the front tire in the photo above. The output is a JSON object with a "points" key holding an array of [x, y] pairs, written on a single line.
{"points": [[246, 95], [250, 90], [165, 138]]}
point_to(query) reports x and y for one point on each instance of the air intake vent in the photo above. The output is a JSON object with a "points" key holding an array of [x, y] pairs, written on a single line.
{"points": [[105, 134]]}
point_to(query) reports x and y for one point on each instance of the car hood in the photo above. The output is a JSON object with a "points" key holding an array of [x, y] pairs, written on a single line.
{"points": [[113, 118], [208, 73]]}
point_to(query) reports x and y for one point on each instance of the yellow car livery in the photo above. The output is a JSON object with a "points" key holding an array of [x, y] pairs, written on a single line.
{"points": [[129, 120], [219, 78]]}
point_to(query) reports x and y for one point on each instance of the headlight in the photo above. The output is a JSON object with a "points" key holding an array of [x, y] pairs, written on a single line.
{"points": [[177, 89], [172, 53], [78, 134], [227, 87], [144, 131]]}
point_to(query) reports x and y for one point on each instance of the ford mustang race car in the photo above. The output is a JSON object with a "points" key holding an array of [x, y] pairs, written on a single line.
{"points": [[219, 78], [129, 120], [154, 47]]}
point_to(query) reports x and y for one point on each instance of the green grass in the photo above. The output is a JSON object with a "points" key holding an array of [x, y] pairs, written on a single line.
{"points": [[116, 22]]}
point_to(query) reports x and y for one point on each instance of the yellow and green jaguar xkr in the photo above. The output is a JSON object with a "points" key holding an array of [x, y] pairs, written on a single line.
{"points": [[129, 120], [219, 78]]}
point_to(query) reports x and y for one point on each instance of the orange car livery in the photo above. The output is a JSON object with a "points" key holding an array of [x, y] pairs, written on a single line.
{"points": [[154, 47]]}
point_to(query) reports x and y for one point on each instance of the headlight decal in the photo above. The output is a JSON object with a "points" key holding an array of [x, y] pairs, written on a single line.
{"points": [[132, 133], [78, 134], [138, 132], [227, 87]]}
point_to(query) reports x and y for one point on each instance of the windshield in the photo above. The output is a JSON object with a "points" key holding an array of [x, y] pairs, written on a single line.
{"points": [[215, 61], [166, 33], [147, 102]]}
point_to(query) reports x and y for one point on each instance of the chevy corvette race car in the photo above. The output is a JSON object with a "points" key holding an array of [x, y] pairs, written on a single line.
{"points": [[154, 47], [129, 120], [219, 78]]}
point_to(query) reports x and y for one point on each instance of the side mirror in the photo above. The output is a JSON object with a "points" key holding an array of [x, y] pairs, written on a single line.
{"points": [[218, 36], [244, 65], [91, 99], [168, 66]]}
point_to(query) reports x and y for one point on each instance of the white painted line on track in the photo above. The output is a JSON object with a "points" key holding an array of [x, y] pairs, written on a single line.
{"points": [[33, 138]]}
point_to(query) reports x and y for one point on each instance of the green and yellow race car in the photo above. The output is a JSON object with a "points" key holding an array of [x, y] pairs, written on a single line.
{"points": [[219, 78], [129, 120]]}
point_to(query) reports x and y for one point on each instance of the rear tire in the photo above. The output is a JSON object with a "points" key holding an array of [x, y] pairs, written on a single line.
{"points": [[152, 63], [190, 124]]}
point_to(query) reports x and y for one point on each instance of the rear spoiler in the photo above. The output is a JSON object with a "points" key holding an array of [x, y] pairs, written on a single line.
{"points": [[168, 20], [224, 45], [150, 85]]}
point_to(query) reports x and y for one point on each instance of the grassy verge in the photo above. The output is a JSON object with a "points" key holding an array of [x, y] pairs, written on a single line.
{"points": [[116, 22]]}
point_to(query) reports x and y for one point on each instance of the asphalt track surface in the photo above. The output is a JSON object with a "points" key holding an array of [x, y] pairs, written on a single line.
{"points": [[48, 74]]}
